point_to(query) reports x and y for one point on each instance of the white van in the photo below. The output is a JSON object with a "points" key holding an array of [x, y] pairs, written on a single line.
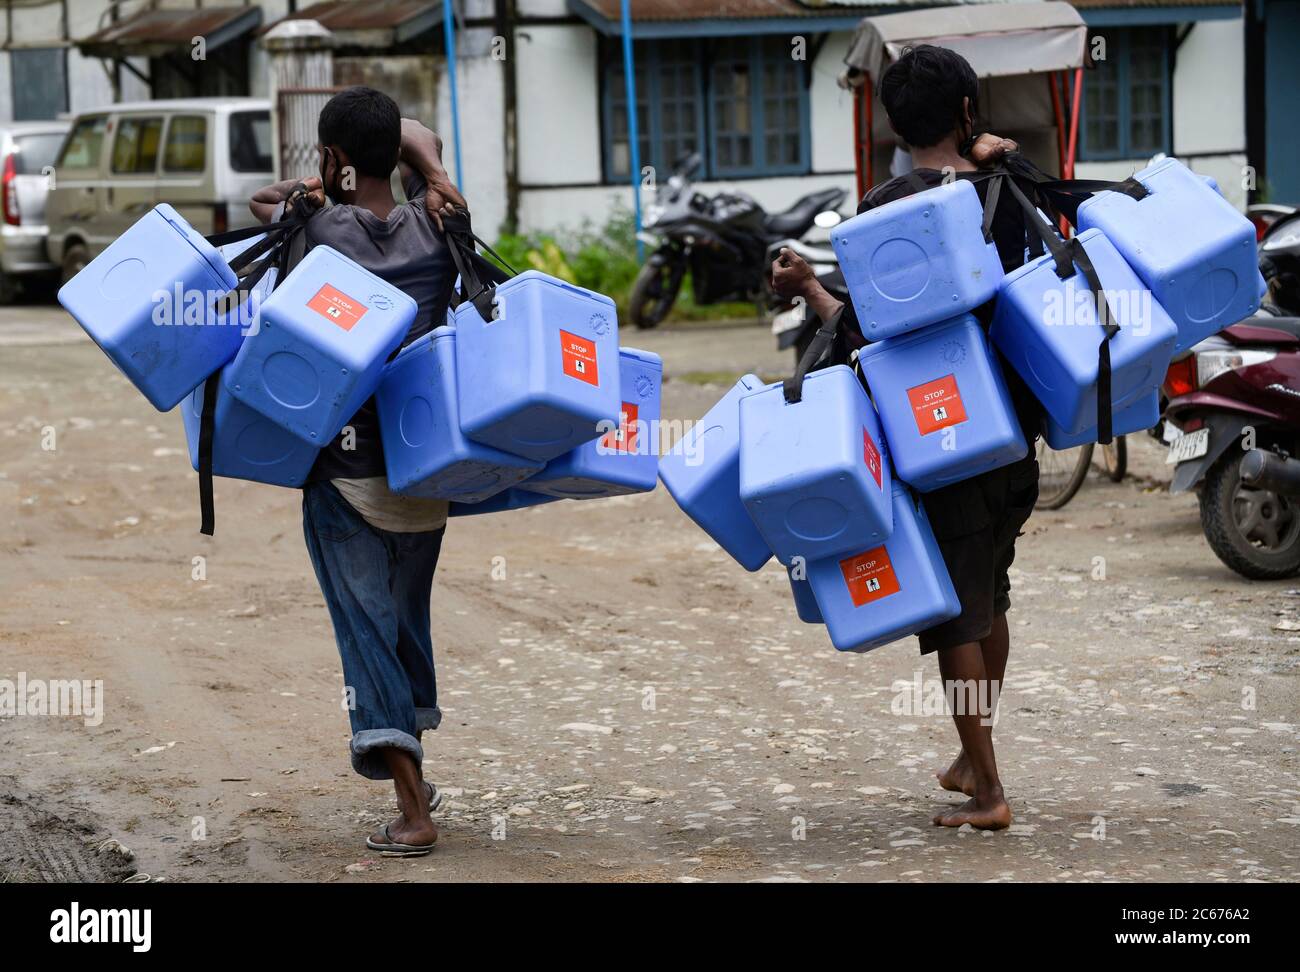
{"points": [[204, 156]]}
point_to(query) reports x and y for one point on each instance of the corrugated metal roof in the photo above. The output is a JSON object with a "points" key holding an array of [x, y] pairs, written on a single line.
{"points": [[651, 11], [372, 23], [644, 11], [1127, 4], [152, 33]]}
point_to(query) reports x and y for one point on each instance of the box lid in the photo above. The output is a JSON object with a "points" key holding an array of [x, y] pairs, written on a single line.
{"points": [[960, 193], [546, 279], [206, 250], [425, 341], [321, 251], [645, 357], [913, 337]]}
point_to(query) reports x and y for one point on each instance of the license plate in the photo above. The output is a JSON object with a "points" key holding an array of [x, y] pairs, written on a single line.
{"points": [[1190, 445]]}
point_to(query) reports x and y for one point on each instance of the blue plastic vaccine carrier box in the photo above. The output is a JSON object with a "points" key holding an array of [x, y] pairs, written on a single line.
{"points": [[943, 402], [872, 597], [624, 459], [805, 602], [917, 260], [319, 349], [1187, 243], [702, 472], [814, 474], [1046, 328], [245, 443], [148, 302], [425, 452], [539, 377], [510, 499], [1137, 417]]}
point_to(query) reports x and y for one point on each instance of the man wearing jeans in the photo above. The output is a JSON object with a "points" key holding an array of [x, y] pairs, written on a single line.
{"points": [[374, 551]]}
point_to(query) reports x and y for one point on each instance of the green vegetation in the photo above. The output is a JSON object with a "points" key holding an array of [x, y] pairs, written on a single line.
{"points": [[603, 260]]}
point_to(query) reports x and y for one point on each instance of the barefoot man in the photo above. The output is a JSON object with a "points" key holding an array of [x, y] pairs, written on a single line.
{"points": [[930, 94]]}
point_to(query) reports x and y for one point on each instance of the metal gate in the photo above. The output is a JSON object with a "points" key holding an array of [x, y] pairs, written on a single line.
{"points": [[297, 111]]}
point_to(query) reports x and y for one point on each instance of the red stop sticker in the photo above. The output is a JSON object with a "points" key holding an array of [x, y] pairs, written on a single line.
{"points": [[337, 307], [623, 438], [579, 358], [869, 576], [936, 404], [871, 455]]}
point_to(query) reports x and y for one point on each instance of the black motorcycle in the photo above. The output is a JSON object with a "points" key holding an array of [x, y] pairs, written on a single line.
{"points": [[722, 240]]}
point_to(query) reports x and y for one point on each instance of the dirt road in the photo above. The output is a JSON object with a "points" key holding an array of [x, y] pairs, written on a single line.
{"points": [[625, 703]]}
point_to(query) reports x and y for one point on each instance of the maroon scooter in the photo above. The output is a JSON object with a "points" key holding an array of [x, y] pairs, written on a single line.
{"points": [[1233, 423]]}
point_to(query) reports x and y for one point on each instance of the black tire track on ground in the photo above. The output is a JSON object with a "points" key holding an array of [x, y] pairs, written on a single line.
{"points": [[41, 841]]}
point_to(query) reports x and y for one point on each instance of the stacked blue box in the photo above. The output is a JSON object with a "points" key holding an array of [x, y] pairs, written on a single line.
{"points": [[150, 302], [814, 477]]}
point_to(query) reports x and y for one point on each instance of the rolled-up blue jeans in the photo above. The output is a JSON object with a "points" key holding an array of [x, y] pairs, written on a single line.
{"points": [[377, 586]]}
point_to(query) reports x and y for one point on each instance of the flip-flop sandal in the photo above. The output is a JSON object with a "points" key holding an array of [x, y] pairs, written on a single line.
{"points": [[394, 849], [435, 797]]}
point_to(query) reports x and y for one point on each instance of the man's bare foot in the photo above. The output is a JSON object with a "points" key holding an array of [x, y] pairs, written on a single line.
{"points": [[959, 777], [412, 833], [990, 812]]}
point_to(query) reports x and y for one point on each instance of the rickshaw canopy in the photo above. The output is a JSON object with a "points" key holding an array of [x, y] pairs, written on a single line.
{"points": [[1028, 56], [998, 39]]}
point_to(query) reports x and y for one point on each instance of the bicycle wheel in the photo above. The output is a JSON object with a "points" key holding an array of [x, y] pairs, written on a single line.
{"points": [[1115, 458], [1060, 474]]}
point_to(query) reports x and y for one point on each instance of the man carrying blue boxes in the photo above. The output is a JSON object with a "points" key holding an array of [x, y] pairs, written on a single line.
{"points": [[930, 95], [374, 551]]}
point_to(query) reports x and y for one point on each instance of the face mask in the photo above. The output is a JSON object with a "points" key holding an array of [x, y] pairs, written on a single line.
{"points": [[332, 192]]}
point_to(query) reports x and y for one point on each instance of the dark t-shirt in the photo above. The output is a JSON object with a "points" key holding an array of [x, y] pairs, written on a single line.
{"points": [[409, 252], [1009, 238]]}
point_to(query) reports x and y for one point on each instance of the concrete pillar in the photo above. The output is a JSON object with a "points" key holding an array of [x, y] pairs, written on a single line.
{"points": [[302, 80]]}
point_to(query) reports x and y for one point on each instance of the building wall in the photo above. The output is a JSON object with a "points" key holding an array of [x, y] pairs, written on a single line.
{"points": [[1209, 94], [559, 111], [559, 106], [560, 134], [481, 100]]}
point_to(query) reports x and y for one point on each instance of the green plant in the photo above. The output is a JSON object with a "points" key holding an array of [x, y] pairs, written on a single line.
{"points": [[603, 260]]}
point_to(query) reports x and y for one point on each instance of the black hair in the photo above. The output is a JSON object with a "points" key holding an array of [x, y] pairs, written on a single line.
{"points": [[923, 90], [367, 125]]}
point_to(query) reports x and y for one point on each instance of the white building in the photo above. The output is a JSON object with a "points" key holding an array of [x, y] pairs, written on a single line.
{"points": [[723, 77]]}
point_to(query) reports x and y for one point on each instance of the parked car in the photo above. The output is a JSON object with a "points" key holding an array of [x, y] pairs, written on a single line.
{"points": [[204, 156], [27, 153]]}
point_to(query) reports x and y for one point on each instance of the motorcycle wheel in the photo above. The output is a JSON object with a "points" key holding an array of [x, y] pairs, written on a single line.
{"points": [[654, 292], [1060, 474], [1254, 531]]}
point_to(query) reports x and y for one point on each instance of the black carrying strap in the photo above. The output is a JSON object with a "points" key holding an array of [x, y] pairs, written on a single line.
{"points": [[1063, 196], [277, 236], [817, 349], [1068, 254], [478, 278], [991, 200], [273, 252], [207, 422]]}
